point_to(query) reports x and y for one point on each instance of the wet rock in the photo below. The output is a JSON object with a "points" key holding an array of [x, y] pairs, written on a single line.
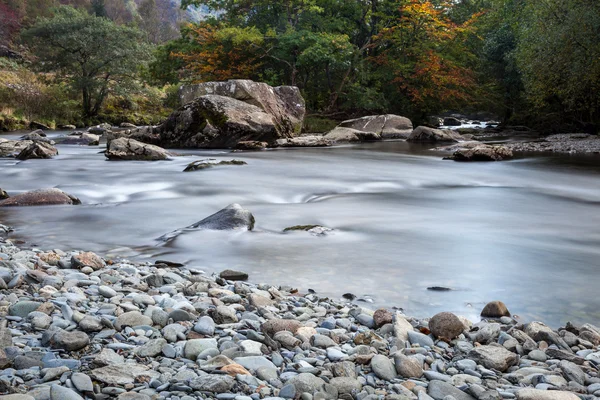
{"points": [[451, 121], [210, 163], [232, 275], [494, 357], [231, 217], [426, 134], [130, 149], [87, 259], [251, 145], [37, 136], [495, 309], [42, 197], [316, 230], [446, 325], [38, 150]]}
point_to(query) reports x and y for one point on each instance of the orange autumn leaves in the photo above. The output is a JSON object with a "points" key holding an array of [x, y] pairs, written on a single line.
{"points": [[220, 55], [425, 50]]}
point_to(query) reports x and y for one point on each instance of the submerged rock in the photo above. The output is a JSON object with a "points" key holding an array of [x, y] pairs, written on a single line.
{"points": [[209, 163], [231, 217], [130, 149], [316, 230], [39, 150], [41, 197]]}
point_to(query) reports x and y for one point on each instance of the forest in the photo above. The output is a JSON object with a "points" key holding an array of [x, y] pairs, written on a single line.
{"points": [[525, 62]]}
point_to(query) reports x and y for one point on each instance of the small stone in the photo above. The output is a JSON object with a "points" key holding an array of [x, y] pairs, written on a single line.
{"points": [[446, 325], [23, 308], [420, 339], [90, 324], [224, 315], [288, 392], [232, 275], [152, 348], [306, 382], [194, 347], [382, 317], [131, 318], [494, 357], [106, 291], [495, 309], [253, 363], [62, 393], [273, 326], [87, 259], [82, 382], [407, 367], [439, 390], [402, 327], [234, 370], [70, 341], [383, 367], [345, 385], [535, 394], [205, 326], [212, 383]]}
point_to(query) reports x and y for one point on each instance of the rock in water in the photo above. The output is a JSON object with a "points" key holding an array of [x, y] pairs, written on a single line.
{"points": [[388, 126], [303, 141], [284, 103], [446, 325], [41, 197], [38, 150], [495, 309], [426, 134], [231, 217], [482, 152], [348, 135], [204, 164], [130, 149], [11, 148], [3, 194]]}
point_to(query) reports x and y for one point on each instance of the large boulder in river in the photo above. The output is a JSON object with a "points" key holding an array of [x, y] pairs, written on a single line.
{"points": [[215, 121], [38, 150], [349, 135], [426, 134], [37, 136], [388, 126], [130, 149], [11, 148], [41, 197], [231, 217], [284, 103]]}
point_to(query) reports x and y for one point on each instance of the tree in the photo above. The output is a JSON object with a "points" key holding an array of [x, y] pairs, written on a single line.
{"points": [[98, 8], [559, 56], [94, 55]]}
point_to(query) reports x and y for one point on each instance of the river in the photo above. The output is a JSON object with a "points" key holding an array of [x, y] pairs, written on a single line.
{"points": [[526, 232]]}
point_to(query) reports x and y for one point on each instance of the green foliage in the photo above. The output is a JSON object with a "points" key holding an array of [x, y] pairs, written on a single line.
{"points": [[316, 124], [93, 54]]}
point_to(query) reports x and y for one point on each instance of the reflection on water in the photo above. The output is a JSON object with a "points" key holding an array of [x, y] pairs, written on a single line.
{"points": [[526, 232]]}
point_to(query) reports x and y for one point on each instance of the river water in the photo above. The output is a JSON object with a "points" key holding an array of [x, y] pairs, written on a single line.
{"points": [[526, 232]]}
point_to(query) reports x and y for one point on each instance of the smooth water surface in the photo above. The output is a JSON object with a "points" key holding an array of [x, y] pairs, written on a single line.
{"points": [[526, 231]]}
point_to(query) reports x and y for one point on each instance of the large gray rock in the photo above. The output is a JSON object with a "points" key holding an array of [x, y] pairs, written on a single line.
{"points": [[122, 374], [231, 217], [130, 149], [306, 382], [37, 136], [349, 135], [214, 121], [388, 126], [41, 197], [494, 357], [11, 148], [439, 390], [383, 367], [62, 393], [284, 103], [426, 134], [38, 150], [70, 341]]}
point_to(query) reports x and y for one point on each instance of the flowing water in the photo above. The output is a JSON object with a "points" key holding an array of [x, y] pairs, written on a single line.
{"points": [[525, 231]]}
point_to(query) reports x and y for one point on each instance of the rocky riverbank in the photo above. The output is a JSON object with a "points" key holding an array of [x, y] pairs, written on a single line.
{"points": [[75, 325]]}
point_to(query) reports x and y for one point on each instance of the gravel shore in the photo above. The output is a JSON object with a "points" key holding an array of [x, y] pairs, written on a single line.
{"points": [[75, 325]]}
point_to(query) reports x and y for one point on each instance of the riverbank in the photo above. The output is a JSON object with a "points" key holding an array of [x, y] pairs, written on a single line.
{"points": [[77, 325]]}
